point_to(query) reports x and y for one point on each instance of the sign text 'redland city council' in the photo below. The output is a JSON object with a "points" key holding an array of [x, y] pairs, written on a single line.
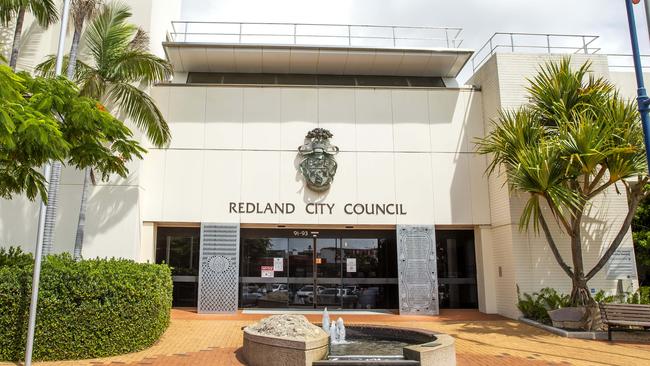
{"points": [[287, 208]]}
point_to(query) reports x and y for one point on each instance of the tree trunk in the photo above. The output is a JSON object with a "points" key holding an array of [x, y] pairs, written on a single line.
{"points": [[580, 295], [74, 49], [18, 32], [81, 225], [52, 207]]}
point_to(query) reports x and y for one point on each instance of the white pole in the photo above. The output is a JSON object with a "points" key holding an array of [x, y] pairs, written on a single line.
{"points": [[38, 253]]}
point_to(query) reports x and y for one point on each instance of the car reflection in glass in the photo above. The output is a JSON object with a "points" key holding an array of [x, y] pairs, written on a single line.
{"points": [[334, 296]]}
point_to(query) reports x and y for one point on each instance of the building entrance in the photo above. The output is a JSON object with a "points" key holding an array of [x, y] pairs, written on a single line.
{"points": [[318, 268]]}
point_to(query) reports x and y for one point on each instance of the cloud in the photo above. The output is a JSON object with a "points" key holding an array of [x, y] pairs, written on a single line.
{"points": [[479, 18]]}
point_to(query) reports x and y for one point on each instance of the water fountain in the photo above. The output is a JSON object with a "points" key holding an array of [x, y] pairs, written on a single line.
{"points": [[336, 329], [326, 321], [381, 345], [291, 340], [340, 331]]}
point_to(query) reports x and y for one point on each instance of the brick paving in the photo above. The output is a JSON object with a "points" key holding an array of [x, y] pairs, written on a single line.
{"points": [[206, 340]]}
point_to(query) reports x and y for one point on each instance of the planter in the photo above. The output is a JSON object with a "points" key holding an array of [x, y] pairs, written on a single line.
{"points": [[571, 318]]}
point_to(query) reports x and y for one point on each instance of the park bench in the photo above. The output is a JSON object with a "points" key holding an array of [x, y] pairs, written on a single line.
{"points": [[623, 316]]}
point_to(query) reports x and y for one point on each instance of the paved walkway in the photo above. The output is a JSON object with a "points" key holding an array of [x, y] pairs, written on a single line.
{"points": [[206, 340]]}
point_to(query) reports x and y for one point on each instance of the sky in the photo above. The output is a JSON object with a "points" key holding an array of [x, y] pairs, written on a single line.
{"points": [[479, 18]]}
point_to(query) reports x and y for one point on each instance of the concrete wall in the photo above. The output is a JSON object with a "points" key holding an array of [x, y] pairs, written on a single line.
{"points": [[240, 144]]}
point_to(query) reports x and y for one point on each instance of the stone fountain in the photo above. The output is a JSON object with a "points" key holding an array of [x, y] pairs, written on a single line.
{"points": [[284, 340]]}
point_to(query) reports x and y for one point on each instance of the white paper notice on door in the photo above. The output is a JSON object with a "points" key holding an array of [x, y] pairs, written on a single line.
{"points": [[267, 271], [278, 264], [351, 264]]}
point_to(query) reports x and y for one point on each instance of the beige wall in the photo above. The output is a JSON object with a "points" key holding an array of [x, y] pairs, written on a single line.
{"points": [[113, 217], [240, 144]]}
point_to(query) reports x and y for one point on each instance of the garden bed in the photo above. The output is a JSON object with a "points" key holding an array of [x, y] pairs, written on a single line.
{"points": [[579, 334], [630, 336]]}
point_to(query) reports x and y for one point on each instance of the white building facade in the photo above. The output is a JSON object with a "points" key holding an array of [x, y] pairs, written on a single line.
{"points": [[410, 221]]}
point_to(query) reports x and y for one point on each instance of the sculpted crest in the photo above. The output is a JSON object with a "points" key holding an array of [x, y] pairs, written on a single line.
{"points": [[318, 166]]}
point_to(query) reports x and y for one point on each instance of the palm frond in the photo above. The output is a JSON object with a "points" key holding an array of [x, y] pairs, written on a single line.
{"points": [[139, 106], [45, 11], [108, 33], [138, 66]]}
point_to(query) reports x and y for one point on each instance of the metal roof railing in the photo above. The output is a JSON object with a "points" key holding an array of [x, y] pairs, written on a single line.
{"points": [[625, 62], [534, 42], [304, 34]]}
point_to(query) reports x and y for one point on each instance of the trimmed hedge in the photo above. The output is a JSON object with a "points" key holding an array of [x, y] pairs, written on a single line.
{"points": [[86, 309]]}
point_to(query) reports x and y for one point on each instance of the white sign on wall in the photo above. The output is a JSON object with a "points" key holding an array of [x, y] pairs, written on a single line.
{"points": [[278, 264], [351, 265], [267, 272], [621, 265]]}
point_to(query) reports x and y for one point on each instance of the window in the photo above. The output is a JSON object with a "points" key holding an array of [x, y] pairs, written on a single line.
{"points": [[310, 79]]}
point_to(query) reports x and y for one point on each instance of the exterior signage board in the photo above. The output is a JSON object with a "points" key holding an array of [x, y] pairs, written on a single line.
{"points": [[621, 265], [349, 208]]}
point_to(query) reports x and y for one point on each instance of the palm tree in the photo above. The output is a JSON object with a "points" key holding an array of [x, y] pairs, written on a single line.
{"points": [[81, 11], [44, 11], [114, 65], [575, 139]]}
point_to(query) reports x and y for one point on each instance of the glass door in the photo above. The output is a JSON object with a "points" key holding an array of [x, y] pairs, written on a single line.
{"points": [[328, 274], [301, 272]]}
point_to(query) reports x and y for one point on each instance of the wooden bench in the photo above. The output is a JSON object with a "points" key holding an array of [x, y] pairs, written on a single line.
{"points": [[623, 316]]}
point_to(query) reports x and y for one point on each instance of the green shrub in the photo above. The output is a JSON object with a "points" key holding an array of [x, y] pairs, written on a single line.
{"points": [[640, 296], [14, 256], [600, 296], [536, 306], [86, 309]]}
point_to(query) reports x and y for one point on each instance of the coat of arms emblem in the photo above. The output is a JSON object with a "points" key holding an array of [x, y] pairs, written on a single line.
{"points": [[318, 165]]}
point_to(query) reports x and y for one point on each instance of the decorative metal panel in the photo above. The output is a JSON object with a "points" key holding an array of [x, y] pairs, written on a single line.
{"points": [[417, 270], [219, 268]]}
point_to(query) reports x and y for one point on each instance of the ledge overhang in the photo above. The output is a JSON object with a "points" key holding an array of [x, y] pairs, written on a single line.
{"points": [[280, 59]]}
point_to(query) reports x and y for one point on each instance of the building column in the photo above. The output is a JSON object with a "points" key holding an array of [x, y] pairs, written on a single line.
{"points": [[147, 253], [485, 270]]}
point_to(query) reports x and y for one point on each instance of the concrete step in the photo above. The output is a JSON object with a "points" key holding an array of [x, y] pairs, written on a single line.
{"points": [[366, 363]]}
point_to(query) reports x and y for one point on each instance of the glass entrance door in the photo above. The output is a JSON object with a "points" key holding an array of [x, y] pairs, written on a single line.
{"points": [[333, 269], [301, 272], [328, 273], [314, 272]]}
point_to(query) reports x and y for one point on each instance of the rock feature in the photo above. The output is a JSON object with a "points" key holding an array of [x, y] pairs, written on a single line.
{"points": [[284, 340]]}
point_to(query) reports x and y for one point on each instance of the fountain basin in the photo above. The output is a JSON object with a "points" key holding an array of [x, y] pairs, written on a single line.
{"points": [[380, 345]]}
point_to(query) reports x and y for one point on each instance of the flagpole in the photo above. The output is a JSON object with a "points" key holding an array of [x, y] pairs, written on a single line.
{"points": [[38, 253], [642, 97]]}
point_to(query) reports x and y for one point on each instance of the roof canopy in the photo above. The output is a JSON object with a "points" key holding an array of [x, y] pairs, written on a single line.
{"points": [[315, 49]]}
